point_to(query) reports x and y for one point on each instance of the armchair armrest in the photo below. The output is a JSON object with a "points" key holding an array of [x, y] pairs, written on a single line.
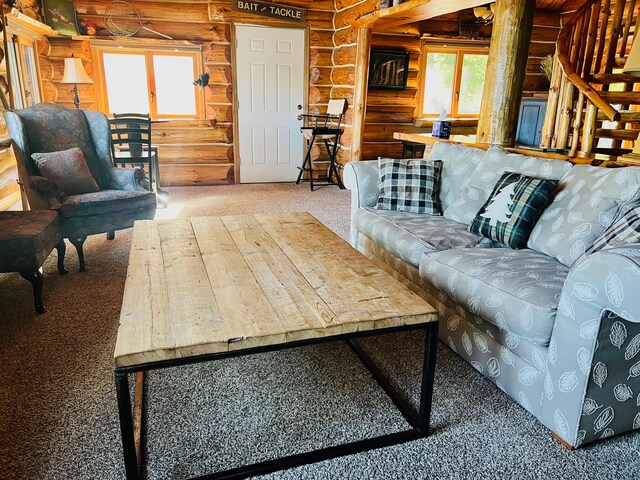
{"points": [[46, 191], [362, 179], [127, 178], [598, 318]]}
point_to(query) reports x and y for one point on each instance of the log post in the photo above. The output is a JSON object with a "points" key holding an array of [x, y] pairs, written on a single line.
{"points": [[512, 26], [360, 92]]}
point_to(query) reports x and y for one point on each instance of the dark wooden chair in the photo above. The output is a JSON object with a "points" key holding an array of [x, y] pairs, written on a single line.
{"points": [[131, 145], [325, 128]]}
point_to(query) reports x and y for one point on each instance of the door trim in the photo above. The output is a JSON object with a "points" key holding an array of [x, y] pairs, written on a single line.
{"points": [[234, 83]]}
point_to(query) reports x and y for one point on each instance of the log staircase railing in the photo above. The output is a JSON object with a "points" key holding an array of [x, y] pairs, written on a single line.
{"points": [[590, 50]]}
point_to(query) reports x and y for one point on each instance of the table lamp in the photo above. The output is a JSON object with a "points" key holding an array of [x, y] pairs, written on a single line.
{"points": [[75, 73]]}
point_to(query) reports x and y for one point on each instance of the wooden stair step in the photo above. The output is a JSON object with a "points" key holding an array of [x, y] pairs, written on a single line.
{"points": [[626, 116], [609, 78], [625, 98], [614, 152], [617, 134]]}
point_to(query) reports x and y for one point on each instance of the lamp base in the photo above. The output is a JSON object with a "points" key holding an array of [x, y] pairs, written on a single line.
{"points": [[76, 99]]}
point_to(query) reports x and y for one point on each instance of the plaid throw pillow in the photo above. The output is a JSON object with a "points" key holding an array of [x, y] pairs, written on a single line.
{"points": [[513, 208], [409, 185], [623, 232]]}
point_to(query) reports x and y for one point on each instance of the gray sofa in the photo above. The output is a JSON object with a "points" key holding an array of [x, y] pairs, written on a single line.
{"points": [[555, 327]]}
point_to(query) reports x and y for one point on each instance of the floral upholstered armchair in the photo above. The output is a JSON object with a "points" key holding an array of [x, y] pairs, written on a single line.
{"points": [[116, 198]]}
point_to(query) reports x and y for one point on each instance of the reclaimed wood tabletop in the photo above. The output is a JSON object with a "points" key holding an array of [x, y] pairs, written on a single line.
{"points": [[207, 285]]}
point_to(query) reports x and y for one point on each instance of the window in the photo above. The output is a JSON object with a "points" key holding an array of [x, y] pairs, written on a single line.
{"points": [[155, 81], [25, 88], [453, 80]]}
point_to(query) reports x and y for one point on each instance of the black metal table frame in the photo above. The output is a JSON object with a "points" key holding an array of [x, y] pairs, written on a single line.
{"points": [[418, 420]]}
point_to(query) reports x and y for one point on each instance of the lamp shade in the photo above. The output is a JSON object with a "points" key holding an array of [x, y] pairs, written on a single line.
{"points": [[632, 65], [74, 71]]}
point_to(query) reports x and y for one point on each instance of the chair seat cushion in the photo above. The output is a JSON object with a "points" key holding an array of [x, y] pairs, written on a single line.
{"points": [[27, 238], [408, 235], [516, 290], [106, 201]]}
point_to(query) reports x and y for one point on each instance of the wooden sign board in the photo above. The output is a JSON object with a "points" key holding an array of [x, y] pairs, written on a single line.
{"points": [[273, 10]]}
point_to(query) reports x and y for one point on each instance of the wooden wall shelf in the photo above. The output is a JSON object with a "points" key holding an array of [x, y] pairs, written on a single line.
{"points": [[412, 11], [20, 22]]}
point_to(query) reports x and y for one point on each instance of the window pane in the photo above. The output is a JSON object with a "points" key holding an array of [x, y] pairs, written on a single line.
{"points": [[175, 92], [126, 79], [438, 82], [472, 83], [32, 93], [16, 78]]}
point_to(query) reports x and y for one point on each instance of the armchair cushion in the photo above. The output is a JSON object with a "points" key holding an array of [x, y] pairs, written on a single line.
{"points": [[106, 202], [68, 170]]}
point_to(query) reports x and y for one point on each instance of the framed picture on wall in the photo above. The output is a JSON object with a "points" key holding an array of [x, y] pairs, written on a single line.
{"points": [[388, 69], [61, 16]]}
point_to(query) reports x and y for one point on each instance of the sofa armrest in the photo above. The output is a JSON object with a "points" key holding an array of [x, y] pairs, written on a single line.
{"points": [[362, 179], [127, 179], [598, 317], [48, 195]]}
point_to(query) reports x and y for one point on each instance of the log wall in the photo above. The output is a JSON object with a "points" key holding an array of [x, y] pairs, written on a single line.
{"points": [[195, 152], [201, 152], [390, 111], [9, 188]]}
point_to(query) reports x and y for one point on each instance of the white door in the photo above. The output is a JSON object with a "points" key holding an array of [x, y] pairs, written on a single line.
{"points": [[270, 81]]}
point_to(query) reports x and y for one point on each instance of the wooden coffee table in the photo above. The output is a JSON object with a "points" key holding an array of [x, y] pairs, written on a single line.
{"points": [[207, 288]]}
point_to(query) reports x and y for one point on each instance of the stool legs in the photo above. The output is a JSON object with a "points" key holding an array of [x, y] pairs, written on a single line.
{"points": [[37, 280], [333, 168], [306, 165], [61, 247]]}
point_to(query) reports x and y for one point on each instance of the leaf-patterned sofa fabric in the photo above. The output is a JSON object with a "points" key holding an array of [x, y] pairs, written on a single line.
{"points": [[408, 236], [516, 290], [541, 325]]}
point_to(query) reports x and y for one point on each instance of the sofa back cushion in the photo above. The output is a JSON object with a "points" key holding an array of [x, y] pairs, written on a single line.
{"points": [[498, 161], [587, 202], [480, 181], [457, 164]]}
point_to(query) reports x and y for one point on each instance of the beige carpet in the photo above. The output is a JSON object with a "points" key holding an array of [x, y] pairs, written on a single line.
{"points": [[58, 415]]}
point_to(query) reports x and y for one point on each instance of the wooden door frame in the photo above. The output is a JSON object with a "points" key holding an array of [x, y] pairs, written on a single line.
{"points": [[234, 81]]}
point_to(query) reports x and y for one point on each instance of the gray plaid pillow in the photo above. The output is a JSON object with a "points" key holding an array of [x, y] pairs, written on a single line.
{"points": [[623, 232], [513, 208], [409, 185]]}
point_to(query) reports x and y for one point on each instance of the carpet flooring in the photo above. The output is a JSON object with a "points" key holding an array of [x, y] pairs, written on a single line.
{"points": [[58, 416]]}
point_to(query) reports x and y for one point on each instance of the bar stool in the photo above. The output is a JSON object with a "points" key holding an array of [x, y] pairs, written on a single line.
{"points": [[327, 129], [412, 149]]}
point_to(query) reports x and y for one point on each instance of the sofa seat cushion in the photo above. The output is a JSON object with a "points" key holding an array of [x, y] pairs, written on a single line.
{"points": [[105, 202], [408, 235], [26, 238], [516, 290]]}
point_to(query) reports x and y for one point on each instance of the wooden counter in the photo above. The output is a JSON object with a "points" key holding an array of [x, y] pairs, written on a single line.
{"points": [[470, 140]]}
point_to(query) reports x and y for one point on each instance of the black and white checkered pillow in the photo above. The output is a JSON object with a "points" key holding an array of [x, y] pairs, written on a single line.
{"points": [[410, 185], [623, 232]]}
